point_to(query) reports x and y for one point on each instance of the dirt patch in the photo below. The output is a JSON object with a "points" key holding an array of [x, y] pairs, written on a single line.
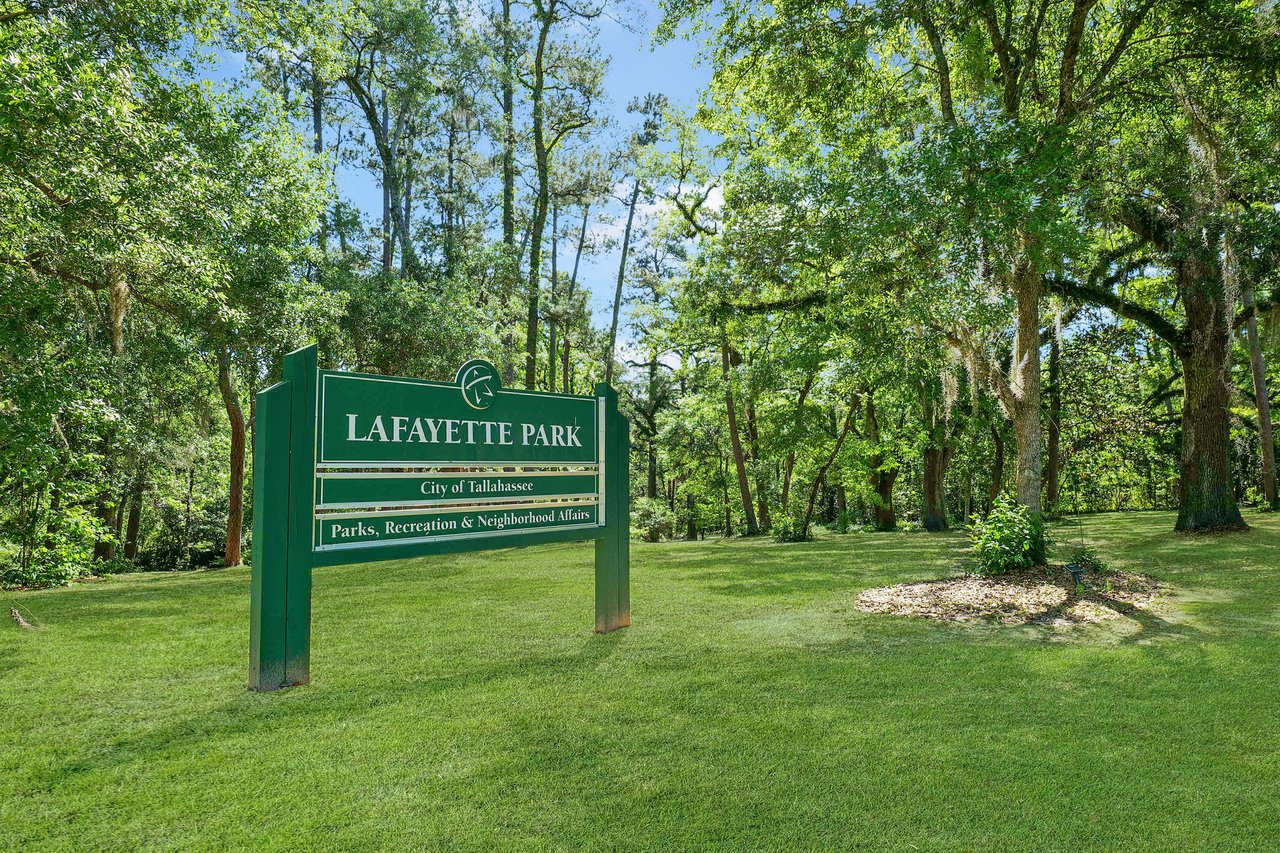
{"points": [[1043, 595]]}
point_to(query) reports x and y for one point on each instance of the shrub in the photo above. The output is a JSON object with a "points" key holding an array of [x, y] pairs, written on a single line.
{"points": [[1009, 538], [65, 555], [844, 521], [1088, 559], [651, 519], [178, 542], [790, 529]]}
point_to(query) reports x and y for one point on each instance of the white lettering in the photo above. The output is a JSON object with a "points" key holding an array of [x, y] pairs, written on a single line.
{"points": [[351, 429], [379, 428]]}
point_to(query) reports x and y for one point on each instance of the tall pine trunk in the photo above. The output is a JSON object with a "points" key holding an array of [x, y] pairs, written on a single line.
{"points": [[235, 493], [1266, 439], [1053, 460], [617, 291], [566, 377]]}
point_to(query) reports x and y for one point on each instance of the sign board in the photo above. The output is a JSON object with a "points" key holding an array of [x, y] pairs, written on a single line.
{"points": [[352, 467]]}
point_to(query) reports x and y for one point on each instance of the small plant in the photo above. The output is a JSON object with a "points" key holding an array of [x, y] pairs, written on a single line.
{"points": [[844, 521], [1009, 538], [651, 520], [1088, 559], [788, 529]]}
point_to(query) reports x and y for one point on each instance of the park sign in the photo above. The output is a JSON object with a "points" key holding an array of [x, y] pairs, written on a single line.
{"points": [[353, 467]]}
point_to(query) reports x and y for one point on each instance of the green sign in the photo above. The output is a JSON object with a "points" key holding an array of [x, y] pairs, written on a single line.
{"points": [[354, 467], [371, 529], [362, 490], [388, 422]]}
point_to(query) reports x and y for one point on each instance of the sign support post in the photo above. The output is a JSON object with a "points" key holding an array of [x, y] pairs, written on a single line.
{"points": [[613, 550], [350, 468]]}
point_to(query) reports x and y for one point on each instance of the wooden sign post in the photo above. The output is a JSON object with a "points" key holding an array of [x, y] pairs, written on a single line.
{"points": [[351, 468]]}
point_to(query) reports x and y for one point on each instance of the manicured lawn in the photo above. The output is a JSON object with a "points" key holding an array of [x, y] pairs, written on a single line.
{"points": [[463, 702]]}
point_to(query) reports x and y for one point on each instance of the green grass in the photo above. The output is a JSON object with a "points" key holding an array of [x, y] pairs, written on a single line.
{"points": [[463, 702]]}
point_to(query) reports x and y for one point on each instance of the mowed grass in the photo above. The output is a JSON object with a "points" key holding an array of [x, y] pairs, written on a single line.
{"points": [[463, 702]]}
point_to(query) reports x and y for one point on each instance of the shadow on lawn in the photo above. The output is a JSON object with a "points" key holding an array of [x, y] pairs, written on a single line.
{"points": [[846, 562], [291, 712]]}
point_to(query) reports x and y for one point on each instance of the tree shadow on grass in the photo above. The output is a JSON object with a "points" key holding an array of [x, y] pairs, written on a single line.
{"points": [[295, 711], [824, 566]]}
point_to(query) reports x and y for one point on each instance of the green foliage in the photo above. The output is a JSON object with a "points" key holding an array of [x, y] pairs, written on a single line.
{"points": [[791, 529], [1088, 559], [64, 554], [1009, 538], [844, 521], [185, 541], [651, 519]]}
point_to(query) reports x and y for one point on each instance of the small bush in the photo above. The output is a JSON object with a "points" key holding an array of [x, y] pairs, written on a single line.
{"points": [[65, 555], [1088, 559], [844, 521], [788, 529], [651, 520], [1009, 538], [179, 543]]}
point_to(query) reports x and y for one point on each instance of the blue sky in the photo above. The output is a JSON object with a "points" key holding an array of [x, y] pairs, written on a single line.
{"points": [[636, 67]]}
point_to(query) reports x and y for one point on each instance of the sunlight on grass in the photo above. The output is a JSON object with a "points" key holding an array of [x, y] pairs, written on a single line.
{"points": [[464, 702]]}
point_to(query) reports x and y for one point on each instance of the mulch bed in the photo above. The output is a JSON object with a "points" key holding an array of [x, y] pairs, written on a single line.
{"points": [[1040, 595]]}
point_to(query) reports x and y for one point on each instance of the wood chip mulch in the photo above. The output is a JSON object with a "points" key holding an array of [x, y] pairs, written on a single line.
{"points": [[1041, 595]]}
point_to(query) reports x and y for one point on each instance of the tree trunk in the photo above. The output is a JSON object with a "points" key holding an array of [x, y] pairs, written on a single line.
{"points": [[508, 130], [105, 547], [617, 291], [886, 518], [1207, 500], [651, 486], [542, 172], [134, 521], [1266, 438], [881, 478], [235, 495], [753, 436], [937, 454], [997, 466], [388, 166], [1025, 385], [317, 145], [553, 347], [789, 466], [822, 472], [1053, 461], [565, 379], [511, 271], [744, 487], [728, 509], [691, 524], [935, 503]]}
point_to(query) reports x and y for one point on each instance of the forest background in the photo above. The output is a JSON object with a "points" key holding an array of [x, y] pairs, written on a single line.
{"points": [[896, 260]]}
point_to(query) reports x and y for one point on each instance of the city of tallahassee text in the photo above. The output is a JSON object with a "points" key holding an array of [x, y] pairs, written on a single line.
{"points": [[468, 523], [398, 428]]}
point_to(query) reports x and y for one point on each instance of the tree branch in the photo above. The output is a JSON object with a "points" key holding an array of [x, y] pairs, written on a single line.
{"points": [[1107, 298]]}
